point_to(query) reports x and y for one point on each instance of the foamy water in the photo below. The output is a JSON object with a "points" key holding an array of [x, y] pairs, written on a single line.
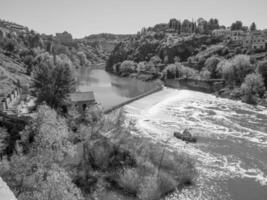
{"points": [[231, 153]]}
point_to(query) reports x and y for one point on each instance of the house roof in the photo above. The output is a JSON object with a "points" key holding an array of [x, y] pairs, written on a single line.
{"points": [[82, 96]]}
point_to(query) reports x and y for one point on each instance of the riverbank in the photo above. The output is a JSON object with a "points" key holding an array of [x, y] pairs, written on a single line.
{"points": [[217, 87], [208, 86]]}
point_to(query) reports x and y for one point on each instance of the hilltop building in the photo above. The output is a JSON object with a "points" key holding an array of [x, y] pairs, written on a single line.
{"points": [[237, 35], [226, 33], [254, 41], [13, 26]]}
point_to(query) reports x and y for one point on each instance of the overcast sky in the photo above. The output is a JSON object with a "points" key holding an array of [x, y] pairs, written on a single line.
{"points": [[84, 17]]}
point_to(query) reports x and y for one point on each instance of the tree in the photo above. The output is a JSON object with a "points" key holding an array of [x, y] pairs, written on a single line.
{"points": [[262, 69], [128, 67], [235, 70], [213, 24], [253, 27], [253, 87], [177, 70], [211, 66], [52, 81], [236, 25], [29, 62], [83, 59], [9, 44]]}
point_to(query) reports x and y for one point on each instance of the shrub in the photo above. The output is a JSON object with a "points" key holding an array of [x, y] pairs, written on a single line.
{"points": [[149, 188], [155, 60], [238, 50], [236, 93], [166, 183], [205, 74], [128, 67], [170, 71], [129, 180], [146, 67]]}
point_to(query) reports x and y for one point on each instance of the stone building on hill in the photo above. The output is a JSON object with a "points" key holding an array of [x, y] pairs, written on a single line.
{"points": [[13, 27], [237, 35], [226, 33], [254, 41]]}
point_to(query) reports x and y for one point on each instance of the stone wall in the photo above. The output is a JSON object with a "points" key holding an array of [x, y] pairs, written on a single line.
{"points": [[9, 99]]}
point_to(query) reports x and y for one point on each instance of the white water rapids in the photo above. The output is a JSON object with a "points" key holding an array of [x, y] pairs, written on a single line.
{"points": [[231, 152]]}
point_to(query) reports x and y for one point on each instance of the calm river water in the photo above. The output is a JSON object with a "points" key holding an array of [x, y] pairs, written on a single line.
{"points": [[110, 90], [231, 153]]}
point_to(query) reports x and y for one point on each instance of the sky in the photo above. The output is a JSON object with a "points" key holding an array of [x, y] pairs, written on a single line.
{"points": [[85, 17]]}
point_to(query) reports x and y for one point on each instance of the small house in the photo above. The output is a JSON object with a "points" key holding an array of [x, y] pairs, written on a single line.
{"points": [[82, 100]]}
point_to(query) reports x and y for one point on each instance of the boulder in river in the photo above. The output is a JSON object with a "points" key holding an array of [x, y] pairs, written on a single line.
{"points": [[185, 136]]}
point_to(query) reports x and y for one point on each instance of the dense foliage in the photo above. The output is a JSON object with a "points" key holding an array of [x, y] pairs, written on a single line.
{"points": [[38, 174], [193, 52], [52, 81]]}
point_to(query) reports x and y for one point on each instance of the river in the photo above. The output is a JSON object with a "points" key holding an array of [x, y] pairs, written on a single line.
{"points": [[231, 152]]}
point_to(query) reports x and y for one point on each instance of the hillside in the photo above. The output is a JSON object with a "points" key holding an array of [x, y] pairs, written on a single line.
{"points": [[103, 43], [200, 50], [21, 51]]}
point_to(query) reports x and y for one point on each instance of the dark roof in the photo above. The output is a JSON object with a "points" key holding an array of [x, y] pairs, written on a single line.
{"points": [[82, 96]]}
